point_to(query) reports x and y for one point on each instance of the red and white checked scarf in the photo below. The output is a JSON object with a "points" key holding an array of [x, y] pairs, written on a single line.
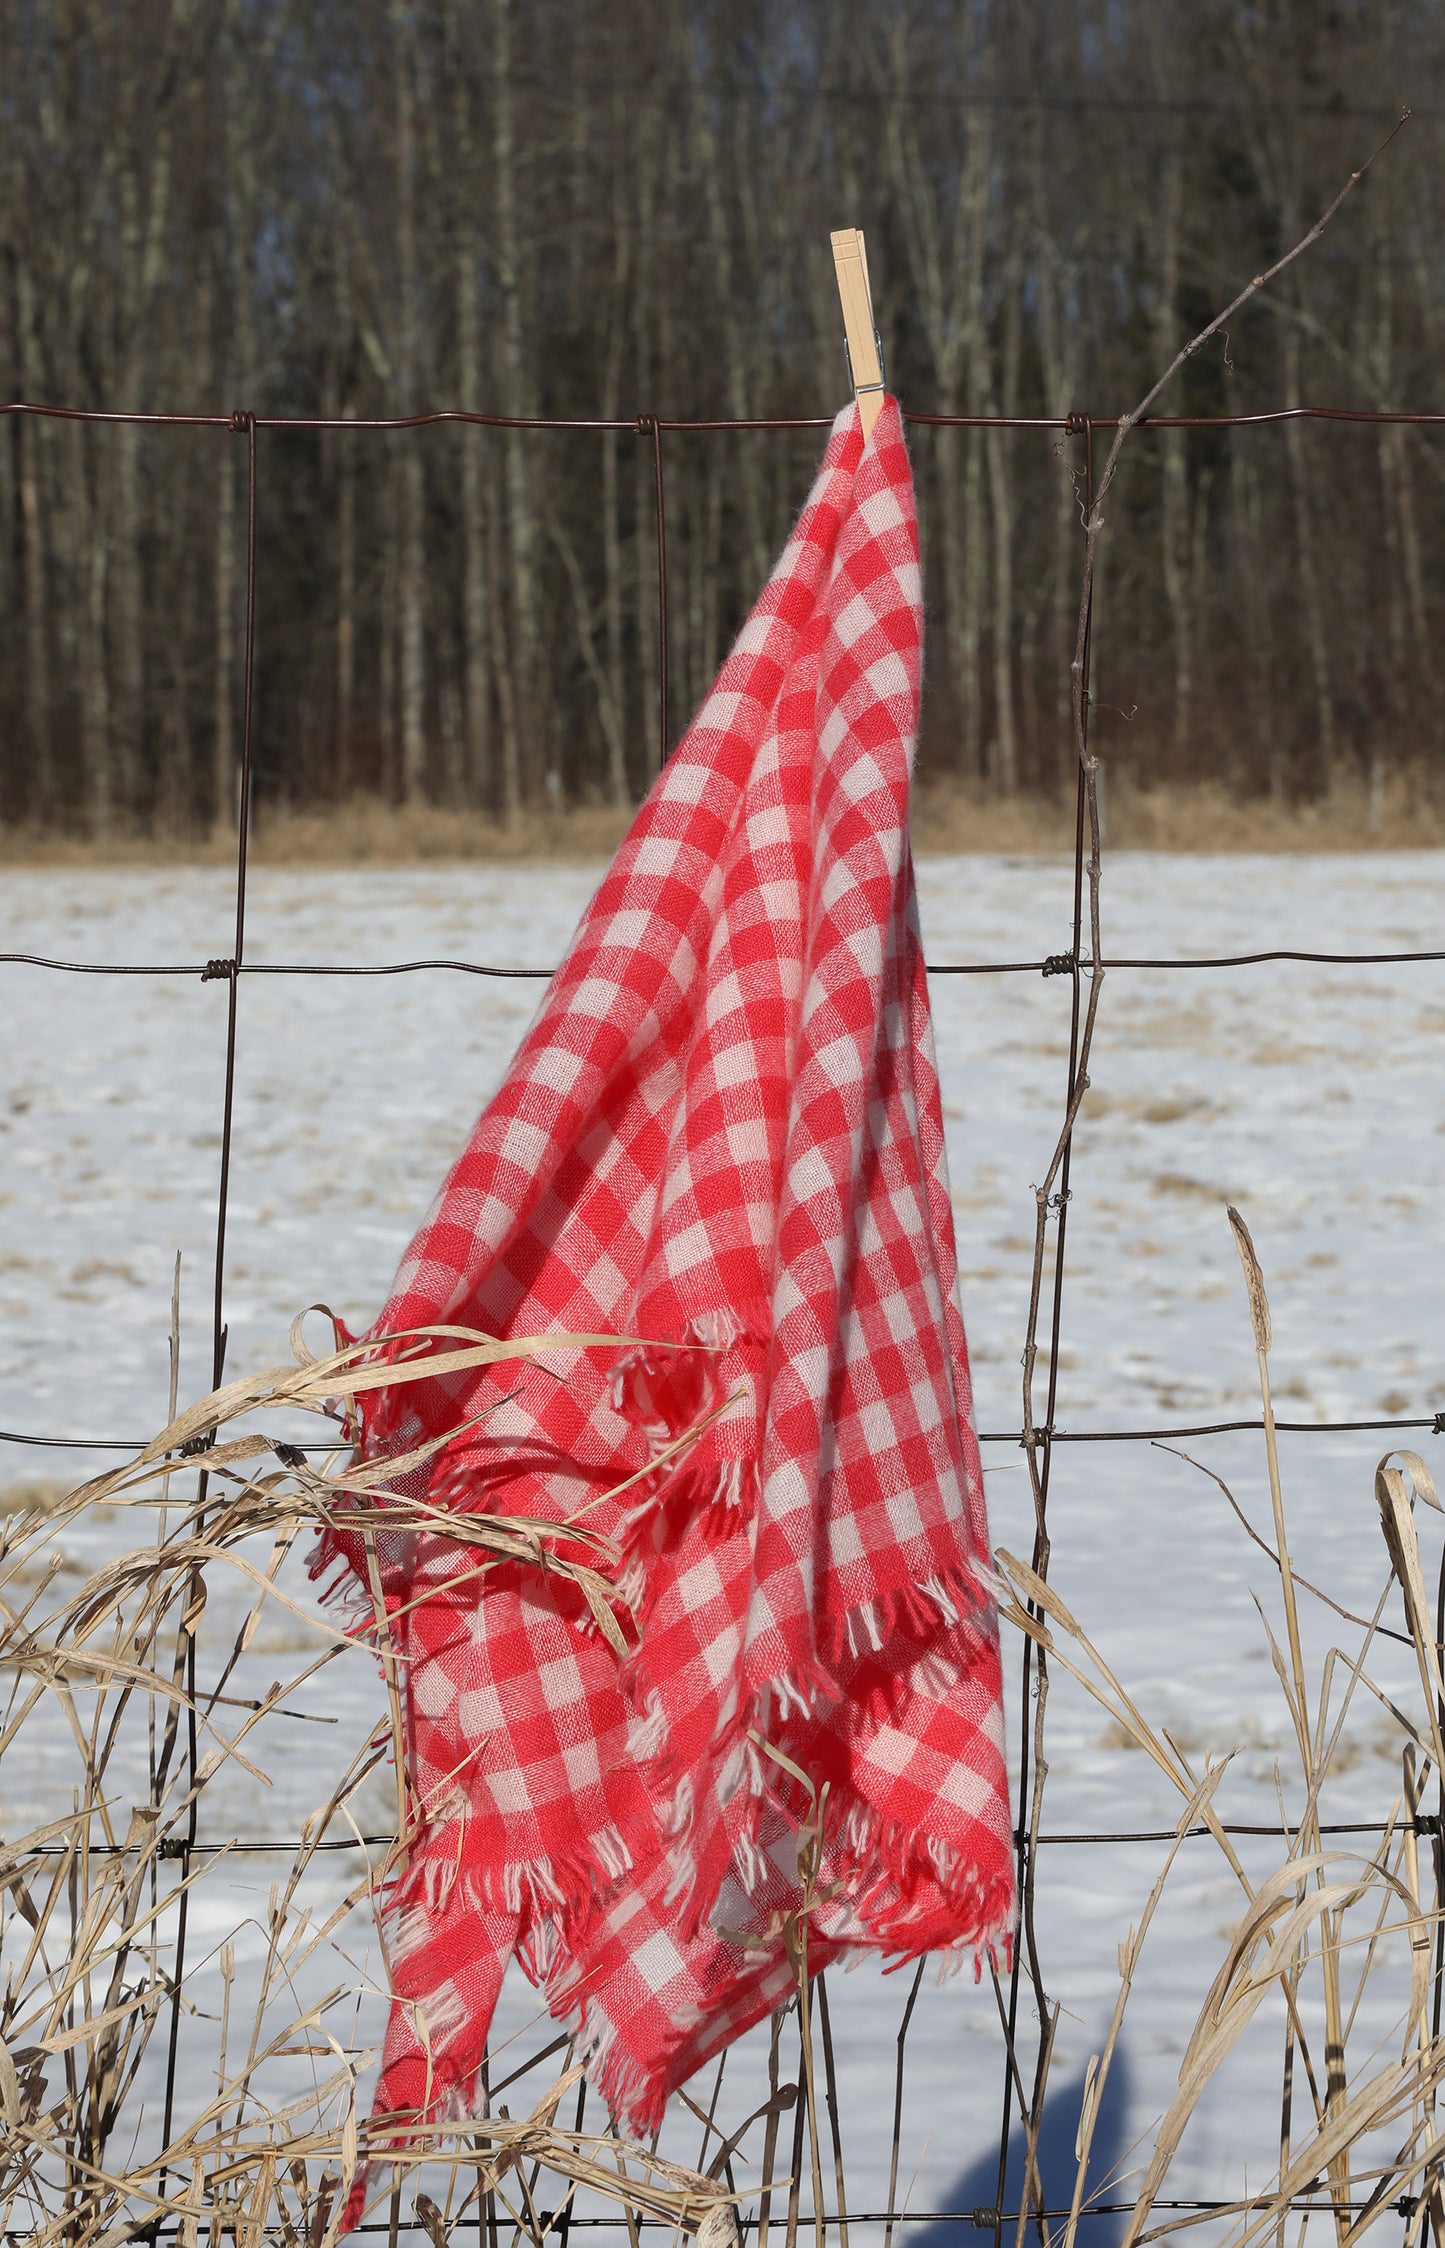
{"points": [[724, 1131]]}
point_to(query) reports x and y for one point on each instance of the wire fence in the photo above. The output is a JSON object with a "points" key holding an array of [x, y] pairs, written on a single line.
{"points": [[1039, 1434]]}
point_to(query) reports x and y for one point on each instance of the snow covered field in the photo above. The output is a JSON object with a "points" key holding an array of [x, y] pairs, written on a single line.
{"points": [[1312, 1097]]}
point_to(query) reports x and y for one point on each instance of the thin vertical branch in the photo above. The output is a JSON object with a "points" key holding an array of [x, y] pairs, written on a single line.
{"points": [[898, 2104], [830, 2079]]}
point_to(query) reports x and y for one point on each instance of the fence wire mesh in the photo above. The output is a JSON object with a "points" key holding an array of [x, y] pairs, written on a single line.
{"points": [[1080, 970]]}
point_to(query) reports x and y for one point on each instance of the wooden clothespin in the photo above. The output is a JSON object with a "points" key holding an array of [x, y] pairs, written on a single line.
{"points": [[865, 355]]}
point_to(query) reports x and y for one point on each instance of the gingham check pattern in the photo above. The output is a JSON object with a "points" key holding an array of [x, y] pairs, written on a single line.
{"points": [[722, 1132]]}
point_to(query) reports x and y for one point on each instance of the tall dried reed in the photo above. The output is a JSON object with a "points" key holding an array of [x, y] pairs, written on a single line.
{"points": [[115, 1745]]}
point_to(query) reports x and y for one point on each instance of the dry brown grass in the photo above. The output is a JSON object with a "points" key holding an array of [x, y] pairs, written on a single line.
{"points": [[365, 831], [88, 1891], [88, 1894], [1173, 817]]}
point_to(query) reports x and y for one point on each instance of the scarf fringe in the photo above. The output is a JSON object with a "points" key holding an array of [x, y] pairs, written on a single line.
{"points": [[685, 1493], [536, 1890], [631, 2089], [626, 2087], [456, 2103], [907, 1894], [891, 1861], [896, 1865], [339, 1588], [958, 1598], [892, 1914], [955, 1599], [888, 1873]]}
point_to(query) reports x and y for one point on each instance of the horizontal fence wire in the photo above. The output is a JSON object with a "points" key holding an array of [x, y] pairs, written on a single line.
{"points": [[644, 425], [1433, 1425], [1425, 1823], [1056, 964], [983, 2220], [1075, 965]]}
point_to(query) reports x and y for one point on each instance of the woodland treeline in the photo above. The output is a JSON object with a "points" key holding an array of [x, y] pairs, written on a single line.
{"points": [[352, 208]]}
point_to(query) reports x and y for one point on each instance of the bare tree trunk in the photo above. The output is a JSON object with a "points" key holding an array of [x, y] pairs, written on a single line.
{"points": [[1263, 736], [176, 803], [1059, 350], [973, 215], [709, 643], [1058, 364], [1004, 763], [1413, 674], [521, 516], [127, 612], [1002, 503], [411, 593], [579, 96], [644, 496], [1174, 486], [474, 620], [701, 567], [1396, 682], [37, 646], [144, 229], [39, 795], [968, 614], [1426, 667], [1428, 312], [611, 527], [612, 612], [1318, 644], [345, 608], [478, 777], [223, 752], [649, 625], [610, 705], [387, 649], [239, 159], [950, 517], [454, 763], [1278, 163], [947, 267], [502, 668], [1198, 596], [1066, 567], [736, 333], [100, 798], [412, 588], [85, 534]]}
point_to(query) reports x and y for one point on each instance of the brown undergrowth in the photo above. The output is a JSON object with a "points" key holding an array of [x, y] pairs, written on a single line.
{"points": [[367, 831], [136, 1736]]}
